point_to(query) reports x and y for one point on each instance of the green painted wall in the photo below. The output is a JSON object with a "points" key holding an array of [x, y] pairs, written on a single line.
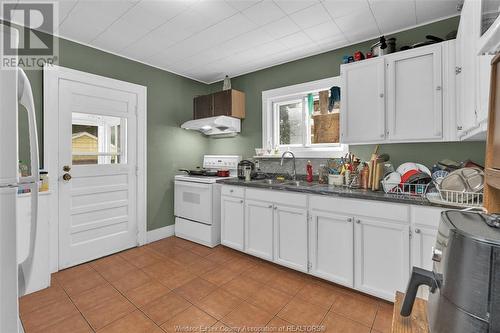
{"points": [[327, 65], [169, 104]]}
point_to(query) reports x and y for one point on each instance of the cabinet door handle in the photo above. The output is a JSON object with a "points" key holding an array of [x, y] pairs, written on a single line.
{"points": [[275, 207], [358, 221], [381, 95], [349, 219], [417, 230], [241, 201], [270, 206], [438, 88]]}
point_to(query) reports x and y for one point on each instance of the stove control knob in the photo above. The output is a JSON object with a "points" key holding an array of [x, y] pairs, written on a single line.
{"points": [[437, 254]]}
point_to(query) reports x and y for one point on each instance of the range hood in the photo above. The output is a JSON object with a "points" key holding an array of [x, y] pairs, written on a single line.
{"points": [[221, 126]]}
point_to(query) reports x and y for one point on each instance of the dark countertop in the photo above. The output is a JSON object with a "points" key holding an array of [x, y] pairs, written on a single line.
{"points": [[324, 189]]}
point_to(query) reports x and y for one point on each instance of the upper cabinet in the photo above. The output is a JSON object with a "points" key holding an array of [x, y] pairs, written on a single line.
{"points": [[223, 103], [415, 95], [473, 75], [397, 98], [362, 112]]}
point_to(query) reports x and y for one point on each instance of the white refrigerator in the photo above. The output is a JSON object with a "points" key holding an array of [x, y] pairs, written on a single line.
{"points": [[15, 89]]}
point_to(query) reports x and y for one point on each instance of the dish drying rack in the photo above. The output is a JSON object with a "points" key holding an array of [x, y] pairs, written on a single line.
{"points": [[409, 189], [456, 198]]}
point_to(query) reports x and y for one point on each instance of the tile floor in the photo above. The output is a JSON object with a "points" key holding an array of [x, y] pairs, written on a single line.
{"points": [[177, 286]]}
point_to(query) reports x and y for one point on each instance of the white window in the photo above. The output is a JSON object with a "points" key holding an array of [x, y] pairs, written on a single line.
{"points": [[304, 118]]}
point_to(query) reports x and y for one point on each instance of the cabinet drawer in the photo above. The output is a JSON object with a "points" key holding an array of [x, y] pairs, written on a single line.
{"points": [[429, 216], [233, 191], [278, 197], [362, 207]]}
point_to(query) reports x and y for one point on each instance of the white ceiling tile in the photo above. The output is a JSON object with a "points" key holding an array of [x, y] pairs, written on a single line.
{"points": [[213, 11], [101, 14], [339, 8], [264, 12], [352, 28], [324, 30], [297, 40], [384, 12], [242, 4], [119, 35], [281, 27], [428, 10], [151, 13], [311, 16], [291, 6]]}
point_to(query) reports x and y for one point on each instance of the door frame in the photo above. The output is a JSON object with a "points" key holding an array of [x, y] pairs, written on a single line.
{"points": [[52, 75]]}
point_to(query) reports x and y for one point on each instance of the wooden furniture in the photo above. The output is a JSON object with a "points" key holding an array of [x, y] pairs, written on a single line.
{"points": [[492, 161], [223, 103], [416, 322]]}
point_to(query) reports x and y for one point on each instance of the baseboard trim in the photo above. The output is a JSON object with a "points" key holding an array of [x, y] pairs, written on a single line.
{"points": [[160, 233]]}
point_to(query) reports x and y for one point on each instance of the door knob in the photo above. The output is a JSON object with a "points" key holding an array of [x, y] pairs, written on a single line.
{"points": [[66, 177], [66, 168]]}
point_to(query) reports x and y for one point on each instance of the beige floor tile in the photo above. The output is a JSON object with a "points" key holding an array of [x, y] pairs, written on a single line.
{"points": [[318, 294], [219, 303], [38, 320], [247, 316], [141, 257], [278, 325], [81, 283], [355, 309], [221, 255], [195, 289], [220, 327], [220, 275], [383, 319], [114, 269], [108, 311], [165, 307], [193, 319], [176, 278], [201, 250], [335, 323], [94, 297], [241, 265], [288, 283], [269, 299], [300, 312], [146, 293], [41, 298], [184, 258], [242, 287], [72, 273], [131, 280], [135, 322], [263, 272], [202, 266], [73, 324]]}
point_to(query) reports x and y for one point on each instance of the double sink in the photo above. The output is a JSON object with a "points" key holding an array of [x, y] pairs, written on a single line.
{"points": [[286, 183]]}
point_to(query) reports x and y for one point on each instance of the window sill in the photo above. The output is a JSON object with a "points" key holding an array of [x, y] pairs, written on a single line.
{"points": [[324, 152]]}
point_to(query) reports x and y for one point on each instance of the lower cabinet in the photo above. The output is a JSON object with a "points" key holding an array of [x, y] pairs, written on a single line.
{"points": [[381, 256], [290, 237], [331, 247], [259, 229], [232, 222]]}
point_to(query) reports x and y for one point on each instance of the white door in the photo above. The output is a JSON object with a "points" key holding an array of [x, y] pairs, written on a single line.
{"points": [[381, 257], [415, 95], [259, 229], [97, 171], [232, 220], [362, 113], [290, 237], [331, 243]]}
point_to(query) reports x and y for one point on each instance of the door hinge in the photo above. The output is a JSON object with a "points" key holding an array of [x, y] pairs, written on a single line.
{"points": [[410, 234], [459, 128], [458, 70]]}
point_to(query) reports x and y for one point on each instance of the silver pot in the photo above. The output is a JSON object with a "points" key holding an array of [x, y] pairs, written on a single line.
{"points": [[378, 48]]}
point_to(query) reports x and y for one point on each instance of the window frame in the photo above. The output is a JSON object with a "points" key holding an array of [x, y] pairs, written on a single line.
{"points": [[270, 121]]}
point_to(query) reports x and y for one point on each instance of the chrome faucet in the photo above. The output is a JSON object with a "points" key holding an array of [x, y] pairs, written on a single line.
{"points": [[294, 173]]}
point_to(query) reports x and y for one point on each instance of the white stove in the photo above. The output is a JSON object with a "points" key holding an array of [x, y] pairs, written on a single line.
{"points": [[197, 201]]}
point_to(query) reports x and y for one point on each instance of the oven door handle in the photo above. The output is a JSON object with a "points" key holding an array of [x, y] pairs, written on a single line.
{"points": [[418, 277]]}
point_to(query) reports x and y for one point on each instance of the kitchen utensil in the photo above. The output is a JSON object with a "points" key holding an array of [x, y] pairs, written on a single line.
{"points": [[464, 180], [358, 55], [405, 167], [241, 168], [336, 180], [405, 177], [423, 168], [430, 40], [200, 172], [379, 170], [391, 182], [439, 175], [223, 173], [383, 46]]}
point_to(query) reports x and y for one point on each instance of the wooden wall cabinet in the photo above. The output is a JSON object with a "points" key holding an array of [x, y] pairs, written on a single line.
{"points": [[223, 103]]}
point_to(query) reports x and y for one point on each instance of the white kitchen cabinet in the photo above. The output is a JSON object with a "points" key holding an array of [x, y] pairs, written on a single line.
{"points": [[259, 229], [362, 114], [331, 247], [415, 95], [232, 222], [290, 237], [381, 257]]}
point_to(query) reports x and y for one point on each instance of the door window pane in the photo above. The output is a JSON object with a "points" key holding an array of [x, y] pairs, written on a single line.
{"points": [[98, 139], [290, 118]]}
